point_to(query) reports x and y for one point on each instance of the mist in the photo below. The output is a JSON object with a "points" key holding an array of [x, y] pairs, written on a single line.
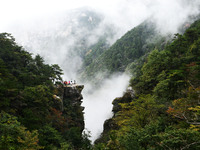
{"points": [[98, 102], [58, 31]]}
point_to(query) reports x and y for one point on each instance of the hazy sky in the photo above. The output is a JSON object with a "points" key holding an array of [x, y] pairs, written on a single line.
{"points": [[126, 13], [18, 10]]}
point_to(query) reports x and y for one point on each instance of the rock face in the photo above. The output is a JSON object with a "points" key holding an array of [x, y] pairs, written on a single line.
{"points": [[73, 93], [72, 99], [127, 97], [110, 124]]}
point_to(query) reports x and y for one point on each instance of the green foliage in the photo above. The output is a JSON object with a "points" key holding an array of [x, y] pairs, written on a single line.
{"points": [[169, 71], [178, 139], [99, 146], [187, 108], [27, 90], [52, 139], [169, 79], [95, 51], [36, 104], [13, 135], [86, 143], [74, 136], [28, 71], [145, 82], [131, 47], [113, 143], [151, 138], [138, 113]]}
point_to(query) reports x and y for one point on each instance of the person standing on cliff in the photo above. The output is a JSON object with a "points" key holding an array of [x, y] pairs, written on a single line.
{"points": [[65, 83]]}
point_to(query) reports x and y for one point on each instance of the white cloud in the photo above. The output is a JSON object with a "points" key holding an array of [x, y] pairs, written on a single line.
{"points": [[99, 102]]}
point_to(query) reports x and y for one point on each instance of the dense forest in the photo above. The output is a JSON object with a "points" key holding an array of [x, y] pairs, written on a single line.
{"points": [[31, 116], [163, 110], [160, 110]]}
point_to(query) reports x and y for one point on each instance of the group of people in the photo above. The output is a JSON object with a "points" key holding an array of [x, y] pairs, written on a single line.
{"points": [[69, 82]]}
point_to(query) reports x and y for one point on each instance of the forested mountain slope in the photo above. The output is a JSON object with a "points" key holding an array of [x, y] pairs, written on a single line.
{"points": [[164, 112], [126, 52], [35, 111]]}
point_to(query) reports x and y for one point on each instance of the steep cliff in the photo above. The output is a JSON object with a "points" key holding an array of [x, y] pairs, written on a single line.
{"points": [[70, 121], [72, 99]]}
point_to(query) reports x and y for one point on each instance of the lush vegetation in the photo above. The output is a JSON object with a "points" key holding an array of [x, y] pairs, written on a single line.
{"points": [[31, 116], [125, 54], [165, 111]]}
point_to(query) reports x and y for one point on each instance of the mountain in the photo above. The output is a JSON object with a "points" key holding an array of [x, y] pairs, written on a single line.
{"points": [[160, 110], [67, 39], [126, 53]]}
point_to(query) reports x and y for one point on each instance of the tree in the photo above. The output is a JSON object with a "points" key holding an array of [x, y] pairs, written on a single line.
{"points": [[13, 135], [178, 139], [36, 106], [139, 112], [187, 108], [50, 138]]}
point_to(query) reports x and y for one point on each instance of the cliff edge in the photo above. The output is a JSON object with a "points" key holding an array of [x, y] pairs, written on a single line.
{"points": [[68, 102], [72, 99]]}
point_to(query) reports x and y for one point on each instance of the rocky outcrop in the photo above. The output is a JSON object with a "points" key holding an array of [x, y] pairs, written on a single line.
{"points": [[74, 94], [126, 98], [72, 99], [110, 124], [68, 101]]}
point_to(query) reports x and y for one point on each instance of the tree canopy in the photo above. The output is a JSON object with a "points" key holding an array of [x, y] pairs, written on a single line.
{"points": [[30, 117]]}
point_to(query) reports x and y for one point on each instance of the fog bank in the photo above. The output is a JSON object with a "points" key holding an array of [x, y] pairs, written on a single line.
{"points": [[98, 102]]}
